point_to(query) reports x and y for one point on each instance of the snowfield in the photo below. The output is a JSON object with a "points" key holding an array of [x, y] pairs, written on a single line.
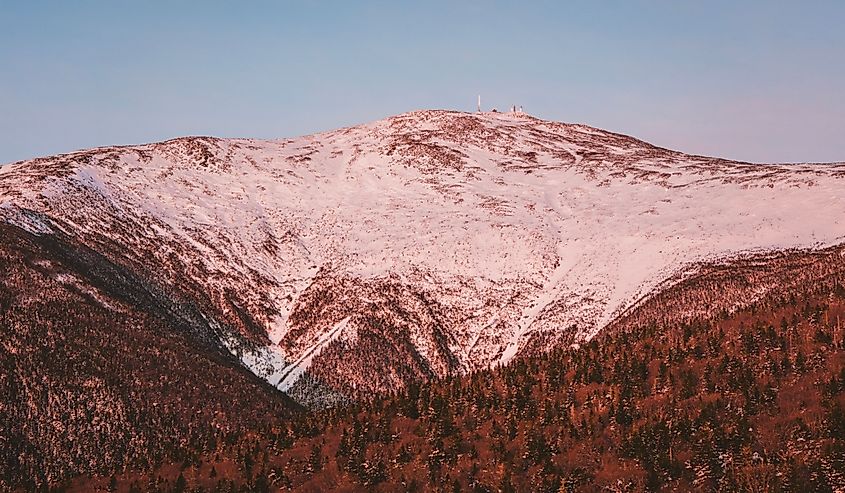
{"points": [[457, 237]]}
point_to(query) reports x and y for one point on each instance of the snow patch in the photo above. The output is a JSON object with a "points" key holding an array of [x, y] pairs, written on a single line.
{"points": [[266, 362], [29, 221], [294, 371]]}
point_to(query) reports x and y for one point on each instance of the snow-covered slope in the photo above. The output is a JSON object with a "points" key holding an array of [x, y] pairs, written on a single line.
{"points": [[424, 244]]}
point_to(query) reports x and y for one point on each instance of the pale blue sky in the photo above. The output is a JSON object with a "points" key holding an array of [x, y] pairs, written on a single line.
{"points": [[753, 80]]}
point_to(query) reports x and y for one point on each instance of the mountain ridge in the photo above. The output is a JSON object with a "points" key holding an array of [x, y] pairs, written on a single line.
{"points": [[426, 244], [411, 113]]}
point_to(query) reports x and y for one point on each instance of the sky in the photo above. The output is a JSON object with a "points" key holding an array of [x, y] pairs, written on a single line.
{"points": [[761, 81]]}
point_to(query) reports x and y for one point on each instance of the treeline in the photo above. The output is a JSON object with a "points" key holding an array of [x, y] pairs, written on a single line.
{"points": [[751, 401]]}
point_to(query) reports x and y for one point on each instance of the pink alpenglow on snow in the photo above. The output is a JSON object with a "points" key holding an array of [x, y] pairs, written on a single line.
{"points": [[460, 235]]}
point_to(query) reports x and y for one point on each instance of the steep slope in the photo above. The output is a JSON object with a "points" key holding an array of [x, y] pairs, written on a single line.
{"points": [[746, 402], [423, 245], [101, 371]]}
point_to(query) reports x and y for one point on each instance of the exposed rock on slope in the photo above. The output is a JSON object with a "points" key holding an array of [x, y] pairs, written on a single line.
{"points": [[422, 245]]}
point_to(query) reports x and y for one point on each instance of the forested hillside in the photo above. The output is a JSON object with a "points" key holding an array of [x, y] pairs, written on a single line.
{"points": [[486, 301], [751, 401], [101, 373]]}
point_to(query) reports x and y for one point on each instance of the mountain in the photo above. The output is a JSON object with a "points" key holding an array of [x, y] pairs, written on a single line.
{"points": [[424, 245], [752, 400], [170, 311], [102, 371]]}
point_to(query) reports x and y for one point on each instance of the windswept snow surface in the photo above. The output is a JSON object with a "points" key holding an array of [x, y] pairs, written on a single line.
{"points": [[513, 225]]}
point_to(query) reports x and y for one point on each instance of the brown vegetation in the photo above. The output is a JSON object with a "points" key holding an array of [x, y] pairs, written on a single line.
{"points": [[746, 401], [100, 375]]}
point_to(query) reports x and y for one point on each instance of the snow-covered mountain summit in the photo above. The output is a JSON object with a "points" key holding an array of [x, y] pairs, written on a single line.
{"points": [[425, 244]]}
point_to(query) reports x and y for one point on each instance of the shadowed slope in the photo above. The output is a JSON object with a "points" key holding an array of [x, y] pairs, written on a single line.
{"points": [[100, 373]]}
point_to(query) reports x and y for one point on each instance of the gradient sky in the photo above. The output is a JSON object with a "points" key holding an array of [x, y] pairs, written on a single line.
{"points": [[753, 80]]}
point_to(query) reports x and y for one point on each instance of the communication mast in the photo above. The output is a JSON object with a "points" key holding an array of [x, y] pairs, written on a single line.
{"points": [[479, 103]]}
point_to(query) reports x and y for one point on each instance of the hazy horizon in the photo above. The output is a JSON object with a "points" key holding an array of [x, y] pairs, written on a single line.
{"points": [[757, 82]]}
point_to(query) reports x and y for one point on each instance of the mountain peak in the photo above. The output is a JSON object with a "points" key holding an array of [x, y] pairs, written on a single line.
{"points": [[424, 244]]}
